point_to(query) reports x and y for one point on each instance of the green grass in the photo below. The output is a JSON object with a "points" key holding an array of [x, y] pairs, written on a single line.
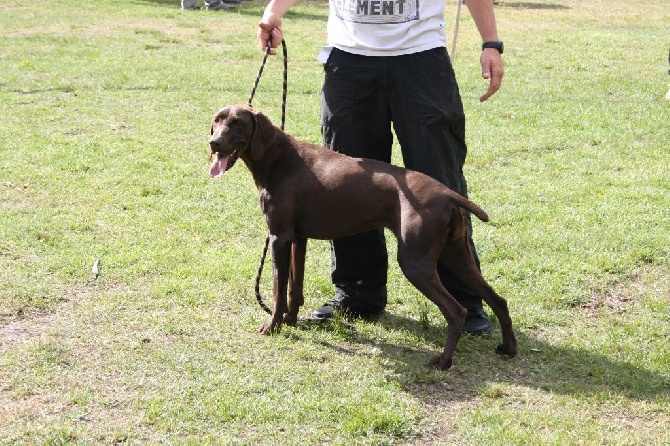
{"points": [[103, 155]]}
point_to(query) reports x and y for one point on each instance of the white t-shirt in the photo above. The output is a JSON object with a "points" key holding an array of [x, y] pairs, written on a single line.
{"points": [[384, 27]]}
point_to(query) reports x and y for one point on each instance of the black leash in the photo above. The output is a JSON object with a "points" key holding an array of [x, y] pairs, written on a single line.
{"points": [[285, 84], [259, 298]]}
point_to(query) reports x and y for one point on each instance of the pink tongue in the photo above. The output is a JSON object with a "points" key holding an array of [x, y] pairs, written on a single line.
{"points": [[218, 166]]}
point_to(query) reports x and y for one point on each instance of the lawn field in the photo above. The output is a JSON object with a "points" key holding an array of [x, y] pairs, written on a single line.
{"points": [[105, 110]]}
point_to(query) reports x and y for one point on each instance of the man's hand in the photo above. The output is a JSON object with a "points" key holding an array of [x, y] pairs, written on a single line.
{"points": [[492, 69], [269, 27]]}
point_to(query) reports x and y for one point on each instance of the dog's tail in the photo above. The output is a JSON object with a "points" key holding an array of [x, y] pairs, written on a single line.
{"points": [[468, 205]]}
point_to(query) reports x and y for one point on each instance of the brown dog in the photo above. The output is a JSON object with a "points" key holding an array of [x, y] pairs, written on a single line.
{"points": [[307, 191]]}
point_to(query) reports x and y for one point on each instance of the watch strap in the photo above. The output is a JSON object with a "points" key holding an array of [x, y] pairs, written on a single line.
{"points": [[498, 45]]}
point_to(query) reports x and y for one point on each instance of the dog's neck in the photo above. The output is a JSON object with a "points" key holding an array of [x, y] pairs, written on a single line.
{"points": [[279, 152]]}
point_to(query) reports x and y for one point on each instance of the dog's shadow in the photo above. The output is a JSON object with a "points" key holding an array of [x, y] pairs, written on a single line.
{"points": [[539, 365]]}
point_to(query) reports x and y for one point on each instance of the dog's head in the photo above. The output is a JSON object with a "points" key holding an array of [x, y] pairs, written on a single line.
{"points": [[236, 129]]}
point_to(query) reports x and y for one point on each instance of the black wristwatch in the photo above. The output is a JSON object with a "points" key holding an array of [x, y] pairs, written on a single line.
{"points": [[495, 44]]}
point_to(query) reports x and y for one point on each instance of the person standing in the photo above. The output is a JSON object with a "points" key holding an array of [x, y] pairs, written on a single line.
{"points": [[387, 67]]}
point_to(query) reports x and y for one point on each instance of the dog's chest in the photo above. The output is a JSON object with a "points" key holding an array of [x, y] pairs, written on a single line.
{"points": [[269, 205], [264, 199]]}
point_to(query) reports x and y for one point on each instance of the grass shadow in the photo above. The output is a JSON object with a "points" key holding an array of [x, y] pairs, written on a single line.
{"points": [[539, 365], [529, 5], [250, 8]]}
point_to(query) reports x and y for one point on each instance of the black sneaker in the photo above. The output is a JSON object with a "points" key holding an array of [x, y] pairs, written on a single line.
{"points": [[477, 322], [327, 310], [368, 308]]}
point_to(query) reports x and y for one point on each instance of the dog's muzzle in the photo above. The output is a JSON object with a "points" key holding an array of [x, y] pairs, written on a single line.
{"points": [[222, 163]]}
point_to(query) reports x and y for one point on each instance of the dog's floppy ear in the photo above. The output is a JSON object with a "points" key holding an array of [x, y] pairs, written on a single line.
{"points": [[264, 134]]}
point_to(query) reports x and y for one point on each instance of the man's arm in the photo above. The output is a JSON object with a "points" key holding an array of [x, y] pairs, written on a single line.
{"points": [[491, 61], [270, 24]]}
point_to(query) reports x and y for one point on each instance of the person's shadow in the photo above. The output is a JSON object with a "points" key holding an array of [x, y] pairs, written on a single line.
{"points": [[539, 365]]}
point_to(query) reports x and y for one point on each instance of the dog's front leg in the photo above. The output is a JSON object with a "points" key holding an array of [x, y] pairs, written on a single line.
{"points": [[296, 279], [281, 256]]}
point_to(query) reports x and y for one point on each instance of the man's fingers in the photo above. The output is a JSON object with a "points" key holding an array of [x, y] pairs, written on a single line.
{"points": [[495, 81], [492, 69], [264, 33], [490, 92]]}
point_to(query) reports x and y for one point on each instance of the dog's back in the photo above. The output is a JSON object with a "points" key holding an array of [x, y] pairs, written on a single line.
{"points": [[357, 175]]}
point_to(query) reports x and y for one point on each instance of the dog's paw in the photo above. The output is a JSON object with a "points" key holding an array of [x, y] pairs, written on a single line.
{"points": [[290, 319], [507, 350], [269, 329], [440, 363]]}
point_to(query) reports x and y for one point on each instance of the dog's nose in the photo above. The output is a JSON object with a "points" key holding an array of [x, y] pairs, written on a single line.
{"points": [[214, 143]]}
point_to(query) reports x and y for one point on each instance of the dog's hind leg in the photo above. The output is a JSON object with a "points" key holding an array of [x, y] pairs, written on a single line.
{"points": [[421, 273], [457, 257], [296, 280]]}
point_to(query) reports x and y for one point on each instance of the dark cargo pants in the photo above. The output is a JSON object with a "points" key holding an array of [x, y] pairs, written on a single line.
{"points": [[362, 97]]}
